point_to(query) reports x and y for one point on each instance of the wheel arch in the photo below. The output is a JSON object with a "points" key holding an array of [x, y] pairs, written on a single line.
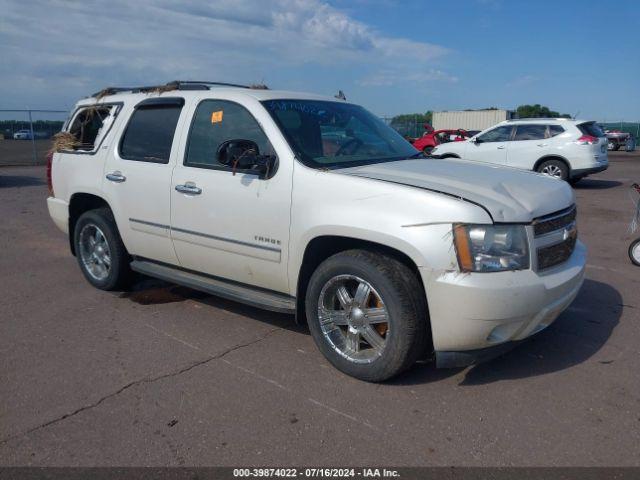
{"points": [[322, 247], [541, 160], [80, 203]]}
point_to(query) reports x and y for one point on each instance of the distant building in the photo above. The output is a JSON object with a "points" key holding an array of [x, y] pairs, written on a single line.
{"points": [[470, 119]]}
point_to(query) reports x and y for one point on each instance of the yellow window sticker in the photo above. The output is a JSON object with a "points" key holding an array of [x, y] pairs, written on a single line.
{"points": [[216, 117]]}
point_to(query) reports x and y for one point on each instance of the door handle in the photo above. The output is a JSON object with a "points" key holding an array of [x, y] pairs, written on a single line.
{"points": [[116, 177], [501, 147], [189, 188], [542, 144]]}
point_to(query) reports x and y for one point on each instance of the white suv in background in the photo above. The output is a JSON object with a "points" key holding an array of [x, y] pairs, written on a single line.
{"points": [[558, 147]]}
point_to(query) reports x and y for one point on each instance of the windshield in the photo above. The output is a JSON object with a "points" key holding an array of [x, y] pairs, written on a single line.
{"points": [[335, 134]]}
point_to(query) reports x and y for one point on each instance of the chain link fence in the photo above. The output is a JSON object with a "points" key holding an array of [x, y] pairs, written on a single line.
{"points": [[25, 135], [630, 127], [409, 128]]}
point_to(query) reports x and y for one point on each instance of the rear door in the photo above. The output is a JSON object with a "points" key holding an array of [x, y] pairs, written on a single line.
{"points": [[224, 222], [137, 177], [530, 142], [491, 146]]}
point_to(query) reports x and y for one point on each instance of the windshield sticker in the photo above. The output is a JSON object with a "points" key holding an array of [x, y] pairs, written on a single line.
{"points": [[216, 117], [303, 107]]}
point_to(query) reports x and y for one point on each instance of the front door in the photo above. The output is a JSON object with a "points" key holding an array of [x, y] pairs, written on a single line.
{"points": [[226, 222], [490, 147], [138, 178]]}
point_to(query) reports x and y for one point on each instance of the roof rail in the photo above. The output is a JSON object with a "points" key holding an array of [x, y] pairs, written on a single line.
{"points": [[537, 118], [175, 85]]}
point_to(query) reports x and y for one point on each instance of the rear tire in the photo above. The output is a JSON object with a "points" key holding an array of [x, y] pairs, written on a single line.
{"points": [[102, 256], [555, 169], [371, 336], [634, 252]]}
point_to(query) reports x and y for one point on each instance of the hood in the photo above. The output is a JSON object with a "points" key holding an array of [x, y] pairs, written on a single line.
{"points": [[508, 194]]}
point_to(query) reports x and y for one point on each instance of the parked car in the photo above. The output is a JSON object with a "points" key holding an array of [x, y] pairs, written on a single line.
{"points": [[616, 139], [431, 139], [23, 135], [230, 190], [561, 148]]}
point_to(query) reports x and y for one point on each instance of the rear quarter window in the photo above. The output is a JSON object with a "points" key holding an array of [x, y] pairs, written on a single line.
{"points": [[89, 126]]}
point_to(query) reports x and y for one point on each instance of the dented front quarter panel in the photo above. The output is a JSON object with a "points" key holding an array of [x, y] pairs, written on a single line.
{"points": [[414, 221]]}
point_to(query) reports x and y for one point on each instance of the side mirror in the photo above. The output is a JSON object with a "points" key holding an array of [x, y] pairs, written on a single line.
{"points": [[475, 140], [245, 155]]}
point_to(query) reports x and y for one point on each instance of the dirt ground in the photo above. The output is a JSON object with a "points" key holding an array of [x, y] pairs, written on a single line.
{"points": [[20, 152], [168, 376]]}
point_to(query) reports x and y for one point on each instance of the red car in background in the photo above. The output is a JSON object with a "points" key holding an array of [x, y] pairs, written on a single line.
{"points": [[430, 139]]}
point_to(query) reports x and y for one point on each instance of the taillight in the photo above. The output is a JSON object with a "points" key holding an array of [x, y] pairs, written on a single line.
{"points": [[587, 140], [49, 179]]}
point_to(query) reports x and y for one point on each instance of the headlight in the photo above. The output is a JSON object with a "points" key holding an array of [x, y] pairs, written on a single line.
{"points": [[491, 248]]}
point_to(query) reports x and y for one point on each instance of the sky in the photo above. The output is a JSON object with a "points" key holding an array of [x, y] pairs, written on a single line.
{"points": [[579, 57]]}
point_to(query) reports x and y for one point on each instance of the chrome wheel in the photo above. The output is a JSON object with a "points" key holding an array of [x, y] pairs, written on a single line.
{"points": [[353, 318], [94, 252], [552, 171], [635, 253]]}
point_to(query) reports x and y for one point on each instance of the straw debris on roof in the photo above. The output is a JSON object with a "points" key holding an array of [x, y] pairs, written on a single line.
{"points": [[169, 87]]}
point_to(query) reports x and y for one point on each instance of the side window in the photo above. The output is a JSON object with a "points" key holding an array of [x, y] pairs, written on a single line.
{"points": [[149, 134], [530, 132], [499, 134], [90, 125], [555, 130], [215, 122]]}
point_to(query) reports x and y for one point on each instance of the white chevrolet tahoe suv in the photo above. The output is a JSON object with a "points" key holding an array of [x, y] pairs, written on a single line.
{"points": [[312, 206], [557, 147]]}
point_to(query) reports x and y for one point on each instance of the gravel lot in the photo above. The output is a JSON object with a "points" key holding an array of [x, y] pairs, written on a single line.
{"points": [[168, 376], [20, 152]]}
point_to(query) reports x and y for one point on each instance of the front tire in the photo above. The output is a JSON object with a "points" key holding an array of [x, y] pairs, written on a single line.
{"points": [[102, 256], [634, 252], [367, 314], [555, 169]]}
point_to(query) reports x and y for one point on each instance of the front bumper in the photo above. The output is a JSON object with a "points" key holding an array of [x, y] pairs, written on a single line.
{"points": [[473, 312]]}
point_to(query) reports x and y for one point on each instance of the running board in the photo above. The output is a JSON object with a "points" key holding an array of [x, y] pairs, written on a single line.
{"points": [[256, 297]]}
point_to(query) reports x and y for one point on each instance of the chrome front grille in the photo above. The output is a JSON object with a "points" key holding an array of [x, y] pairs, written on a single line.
{"points": [[555, 238]]}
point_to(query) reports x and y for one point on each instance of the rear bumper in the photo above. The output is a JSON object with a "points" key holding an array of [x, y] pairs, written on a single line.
{"points": [[583, 172], [59, 213]]}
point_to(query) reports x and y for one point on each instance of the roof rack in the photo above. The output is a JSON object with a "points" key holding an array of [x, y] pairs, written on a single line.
{"points": [[175, 85], [537, 118]]}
